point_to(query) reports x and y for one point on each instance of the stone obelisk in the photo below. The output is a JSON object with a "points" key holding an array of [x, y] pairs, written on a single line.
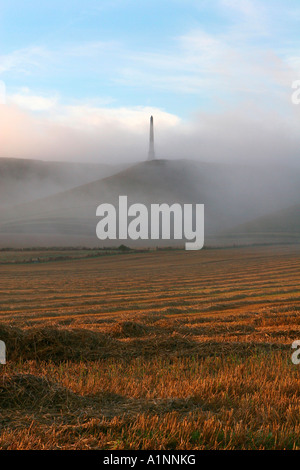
{"points": [[151, 153]]}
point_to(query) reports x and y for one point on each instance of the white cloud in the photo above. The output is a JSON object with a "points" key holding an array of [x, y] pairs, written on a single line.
{"points": [[246, 7], [88, 116], [23, 60], [130, 119], [253, 17], [35, 126], [90, 49], [25, 100], [79, 132], [213, 66]]}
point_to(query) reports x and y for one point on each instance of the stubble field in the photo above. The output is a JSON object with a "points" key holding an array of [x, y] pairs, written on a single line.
{"points": [[155, 350]]}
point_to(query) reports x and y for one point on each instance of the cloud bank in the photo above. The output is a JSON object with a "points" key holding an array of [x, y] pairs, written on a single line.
{"points": [[241, 134], [233, 80]]}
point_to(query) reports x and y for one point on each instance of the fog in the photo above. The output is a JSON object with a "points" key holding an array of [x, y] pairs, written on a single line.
{"points": [[232, 194], [24, 180], [241, 134], [57, 167]]}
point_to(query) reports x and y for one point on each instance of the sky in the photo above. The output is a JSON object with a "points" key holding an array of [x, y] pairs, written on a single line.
{"points": [[81, 79]]}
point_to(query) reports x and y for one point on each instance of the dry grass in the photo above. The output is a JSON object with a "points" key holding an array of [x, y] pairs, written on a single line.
{"points": [[152, 351]]}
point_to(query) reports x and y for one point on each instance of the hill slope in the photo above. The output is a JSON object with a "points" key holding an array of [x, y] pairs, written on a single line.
{"points": [[281, 226], [26, 180]]}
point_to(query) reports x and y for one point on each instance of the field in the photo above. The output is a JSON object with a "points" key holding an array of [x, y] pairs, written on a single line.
{"points": [[154, 350]]}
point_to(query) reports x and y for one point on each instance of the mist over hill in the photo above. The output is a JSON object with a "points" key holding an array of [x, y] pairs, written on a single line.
{"points": [[26, 180], [282, 226], [232, 195]]}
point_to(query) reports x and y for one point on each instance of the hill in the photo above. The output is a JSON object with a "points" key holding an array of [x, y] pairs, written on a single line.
{"points": [[26, 180], [278, 227], [232, 195]]}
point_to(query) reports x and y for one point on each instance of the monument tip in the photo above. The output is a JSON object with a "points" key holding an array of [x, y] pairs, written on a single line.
{"points": [[151, 153]]}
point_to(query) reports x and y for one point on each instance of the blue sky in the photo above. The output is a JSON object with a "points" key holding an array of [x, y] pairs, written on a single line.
{"points": [[90, 52], [80, 64]]}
